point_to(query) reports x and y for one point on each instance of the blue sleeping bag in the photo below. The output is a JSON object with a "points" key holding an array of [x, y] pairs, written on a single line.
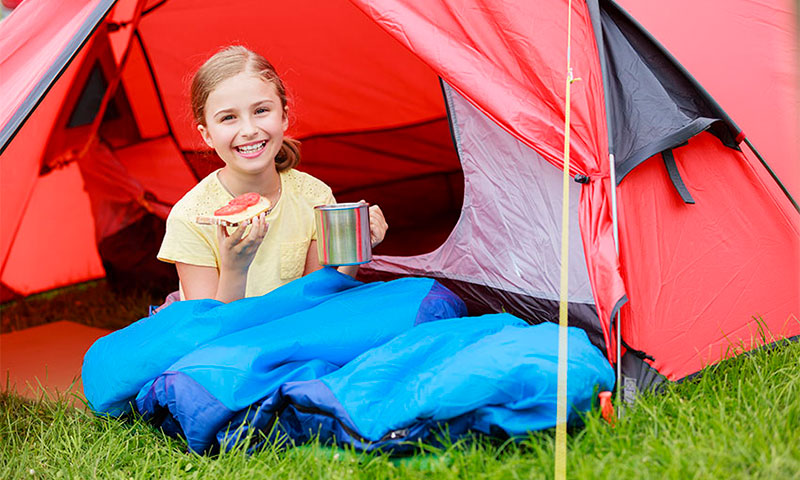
{"points": [[194, 365], [493, 374], [330, 356], [117, 365]]}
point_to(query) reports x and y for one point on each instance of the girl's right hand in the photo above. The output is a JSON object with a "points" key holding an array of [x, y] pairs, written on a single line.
{"points": [[237, 249]]}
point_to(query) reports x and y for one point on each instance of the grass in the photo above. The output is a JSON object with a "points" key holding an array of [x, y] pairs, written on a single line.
{"points": [[739, 420]]}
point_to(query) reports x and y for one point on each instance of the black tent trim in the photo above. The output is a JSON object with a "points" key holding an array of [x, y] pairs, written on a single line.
{"points": [[638, 376], [665, 143], [597, 26], [722, 127], [675, 176], [612, 7]]}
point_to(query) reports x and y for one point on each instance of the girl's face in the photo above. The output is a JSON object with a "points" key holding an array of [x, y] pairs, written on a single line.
{"points": [[245, 123]]}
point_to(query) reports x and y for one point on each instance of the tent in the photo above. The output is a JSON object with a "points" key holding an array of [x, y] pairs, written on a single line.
{"points": [[450, 115]]}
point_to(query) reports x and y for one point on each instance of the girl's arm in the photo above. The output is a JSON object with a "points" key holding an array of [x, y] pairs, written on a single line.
{"points": [[312, 259], [229, 282], [207, 282]]}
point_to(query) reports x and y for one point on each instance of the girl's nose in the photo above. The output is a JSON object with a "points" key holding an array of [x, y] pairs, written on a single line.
{"points": [[248, 127]]}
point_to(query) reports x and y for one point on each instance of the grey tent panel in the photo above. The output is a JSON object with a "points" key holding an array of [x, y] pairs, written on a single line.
{"points": [[653, 104]]}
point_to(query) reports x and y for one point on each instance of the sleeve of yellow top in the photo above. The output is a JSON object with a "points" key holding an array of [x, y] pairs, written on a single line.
{"points": [[185, 242]]}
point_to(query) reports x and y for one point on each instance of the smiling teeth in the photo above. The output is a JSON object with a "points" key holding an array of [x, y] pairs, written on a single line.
{"points": [[251, 148]]}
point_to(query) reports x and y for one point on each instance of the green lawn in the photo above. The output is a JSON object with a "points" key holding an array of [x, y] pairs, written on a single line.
{"points": [[739, 420]]}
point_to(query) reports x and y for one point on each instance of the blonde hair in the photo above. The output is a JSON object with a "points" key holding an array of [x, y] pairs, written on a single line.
{"points": [[227, 63]]}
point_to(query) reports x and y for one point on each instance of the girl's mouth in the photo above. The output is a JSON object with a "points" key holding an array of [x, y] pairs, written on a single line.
{"points": [[251, 149]]}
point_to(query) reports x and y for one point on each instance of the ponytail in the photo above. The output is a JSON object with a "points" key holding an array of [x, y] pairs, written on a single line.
{"points": [[289, 155]]}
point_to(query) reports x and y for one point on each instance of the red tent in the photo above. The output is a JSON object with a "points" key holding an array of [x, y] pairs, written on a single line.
{"points": [[450, 115]]}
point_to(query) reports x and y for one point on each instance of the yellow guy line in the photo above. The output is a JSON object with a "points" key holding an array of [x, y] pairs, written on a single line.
{"points": [[561, 410]]}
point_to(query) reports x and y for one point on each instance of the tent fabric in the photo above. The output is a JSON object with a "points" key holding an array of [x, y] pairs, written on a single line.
{"points": [[169, 182], [364, 71], [19, 171], [138, 82], [496, 197], [523, 51], [321, 75], [745, 54], [523, 182], [44, 237], [114, 195], [28, 230], [691, 248], [518, 46], [44, 37]]}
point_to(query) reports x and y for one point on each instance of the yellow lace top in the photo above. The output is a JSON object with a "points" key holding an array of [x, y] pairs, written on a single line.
{"points": [[282, 255]]}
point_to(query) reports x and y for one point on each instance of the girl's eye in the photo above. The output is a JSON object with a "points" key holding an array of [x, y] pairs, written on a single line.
{"points": [[226, 118], [260, 110]]}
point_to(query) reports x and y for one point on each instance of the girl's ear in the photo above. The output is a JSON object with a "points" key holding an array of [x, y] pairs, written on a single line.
{"points": [[285, 118], [204, 133]]}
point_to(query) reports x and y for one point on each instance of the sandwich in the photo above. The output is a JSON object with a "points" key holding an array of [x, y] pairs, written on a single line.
{"points": [[238, 211]]}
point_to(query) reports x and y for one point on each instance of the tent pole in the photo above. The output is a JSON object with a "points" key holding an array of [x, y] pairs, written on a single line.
{"points": [[772, 173], [613, 175], [594, 11]]}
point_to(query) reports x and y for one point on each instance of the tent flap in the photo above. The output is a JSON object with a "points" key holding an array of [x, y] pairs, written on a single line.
{"points": [[653, 106]]}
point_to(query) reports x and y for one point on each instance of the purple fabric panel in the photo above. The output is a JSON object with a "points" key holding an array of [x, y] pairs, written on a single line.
{"points": [[509, 233], [440, 303], [196, 414]]}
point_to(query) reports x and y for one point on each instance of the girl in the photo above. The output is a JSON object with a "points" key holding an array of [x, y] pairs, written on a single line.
{"points": [[239, 104]]}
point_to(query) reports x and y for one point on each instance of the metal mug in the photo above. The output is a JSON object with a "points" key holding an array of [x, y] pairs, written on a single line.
{"points": [[343, 234]]}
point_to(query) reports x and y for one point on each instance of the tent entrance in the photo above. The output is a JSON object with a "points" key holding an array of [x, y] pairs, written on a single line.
{"points": [[504, 253]]}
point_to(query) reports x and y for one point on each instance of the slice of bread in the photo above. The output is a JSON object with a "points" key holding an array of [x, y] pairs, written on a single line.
{"points": [[235, 219]]}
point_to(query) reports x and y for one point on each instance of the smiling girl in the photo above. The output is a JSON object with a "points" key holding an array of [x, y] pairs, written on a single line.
{"points": [[239, 104]]}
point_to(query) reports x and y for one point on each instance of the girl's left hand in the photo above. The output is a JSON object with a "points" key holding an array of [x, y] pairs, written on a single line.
{"points": [[377, 225]]}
